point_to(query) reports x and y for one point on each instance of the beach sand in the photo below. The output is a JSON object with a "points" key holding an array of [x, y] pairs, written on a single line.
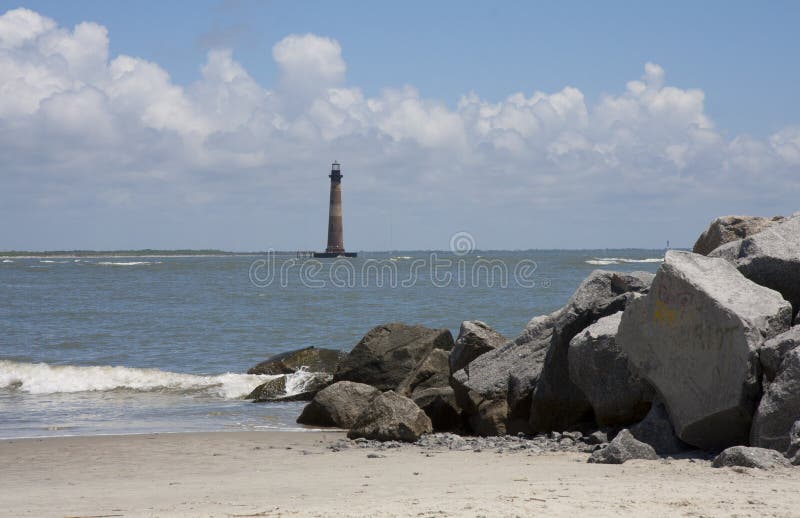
{"points": [[296, 474]]}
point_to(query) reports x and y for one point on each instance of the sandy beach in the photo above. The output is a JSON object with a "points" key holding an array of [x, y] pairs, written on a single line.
{"points": [[297, 474]]}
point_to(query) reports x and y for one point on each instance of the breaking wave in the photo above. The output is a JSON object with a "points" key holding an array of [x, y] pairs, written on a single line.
{"points": [[129, 263], [602, 261], [42, 378], [7, 261]]}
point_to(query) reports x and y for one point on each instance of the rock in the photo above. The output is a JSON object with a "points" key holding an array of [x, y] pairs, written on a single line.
{"points": [[496, 389], [656, 430], [793, 452], [300, 386], [391, 417], [731, 228], [771, 258], [439, 403], [314, 359], [772, 353], [623, 448], [596, 437], [432, 372], [749, 457], [695, 338], [389, 353], [338, 405], [558, 404], [271, 389], [474, 339], [779, 407], [601, 371]]}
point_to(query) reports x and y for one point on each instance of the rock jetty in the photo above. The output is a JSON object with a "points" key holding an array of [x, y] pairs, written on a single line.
{"points": [[699, 358]]}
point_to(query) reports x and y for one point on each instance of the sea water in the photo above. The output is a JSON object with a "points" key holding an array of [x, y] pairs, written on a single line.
{"points": [[162, 344]]}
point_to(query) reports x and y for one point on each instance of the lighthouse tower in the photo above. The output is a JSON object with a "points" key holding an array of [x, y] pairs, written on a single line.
{"points": [[335, 246]]}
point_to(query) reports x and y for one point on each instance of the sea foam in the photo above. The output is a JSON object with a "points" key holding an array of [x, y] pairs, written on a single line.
{"points": [[42, 378], [128, 263], [602, 261]]}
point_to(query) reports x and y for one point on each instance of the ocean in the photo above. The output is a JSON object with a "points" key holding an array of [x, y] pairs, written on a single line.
{"points": [[122, 345]]}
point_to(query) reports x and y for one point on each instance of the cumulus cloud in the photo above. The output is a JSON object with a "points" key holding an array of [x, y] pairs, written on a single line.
{"points": [[79, 127]]}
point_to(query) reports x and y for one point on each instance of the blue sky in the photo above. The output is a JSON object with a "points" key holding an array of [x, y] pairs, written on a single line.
{"points": [[431, 137]]}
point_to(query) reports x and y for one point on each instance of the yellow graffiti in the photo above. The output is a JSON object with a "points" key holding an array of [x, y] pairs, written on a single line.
{"points": [[663, 314]]}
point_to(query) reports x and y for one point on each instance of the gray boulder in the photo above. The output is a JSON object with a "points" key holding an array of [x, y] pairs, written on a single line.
{"points": [[313, 359], [389, 353], [731, 228], [474, 339], [276, 389], [695, 338], [271, 389], [496, 390], [772, 353], [749, 457], [439, 403], [391, 417], [771, 258], [433, 371], [622, 448], [557, 403], [793, 452], [779, 407], [657, 431], [600, 369], [338, 405]]}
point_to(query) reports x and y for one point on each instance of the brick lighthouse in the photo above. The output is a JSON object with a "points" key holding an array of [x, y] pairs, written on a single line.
{"points": [[335, 246]]}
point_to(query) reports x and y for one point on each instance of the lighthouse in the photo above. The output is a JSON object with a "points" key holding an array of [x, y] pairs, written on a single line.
{"points": [[335, 246]]}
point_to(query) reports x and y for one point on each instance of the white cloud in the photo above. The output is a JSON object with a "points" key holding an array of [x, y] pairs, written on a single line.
{"points": [[111, 130], [19, 26], [308, 65]]}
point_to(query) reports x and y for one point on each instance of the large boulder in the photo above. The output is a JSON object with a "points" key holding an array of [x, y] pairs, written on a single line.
{"points": [[775, 349], [750, 457], [622, 448], [695, 338], [600, 369], [312, 359], [474, 339], [432, 372], [388, 354], [338, 405], [779, 407], [558, 404], [770, 258], [391, 417], [439, 403], [496, 390], [731, 228], [657, 431]]}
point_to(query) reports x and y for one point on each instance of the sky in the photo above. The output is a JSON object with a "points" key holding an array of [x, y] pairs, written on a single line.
{"points": [[212, 124]]}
